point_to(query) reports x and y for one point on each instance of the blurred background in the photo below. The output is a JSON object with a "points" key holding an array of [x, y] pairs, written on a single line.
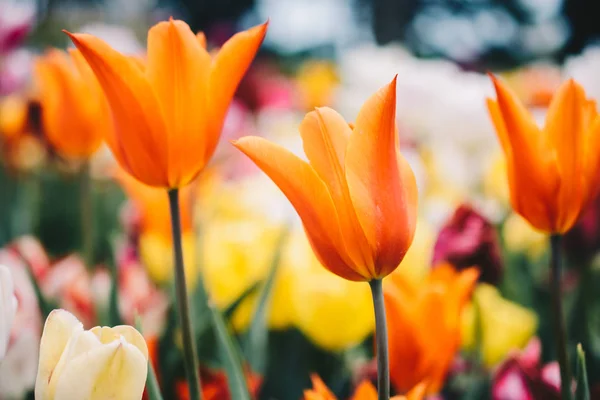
{"points": [[316, 53]]}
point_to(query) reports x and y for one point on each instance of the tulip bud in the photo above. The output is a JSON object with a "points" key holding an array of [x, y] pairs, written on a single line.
{"points": [[102, 363], [8, 307], [469, 239]]}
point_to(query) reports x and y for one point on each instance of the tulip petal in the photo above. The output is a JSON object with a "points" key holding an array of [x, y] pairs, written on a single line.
{"points": [[137, 116], [178, 69], [592, 162], [107, 334], [325, 136], [418, 392], [530, 172], [382, 195], [76, 133], [563, 135], [227, 70], [309, 196], [404, 344], [58, 329], [365, 391], [111, 371]]}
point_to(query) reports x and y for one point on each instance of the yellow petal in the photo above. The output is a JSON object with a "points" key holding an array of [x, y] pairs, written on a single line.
{"points": [[111, 371], [140, 128], [178, 69], [380, 191], [325, 136], [108, 334], [58, 329], [309, 196]]}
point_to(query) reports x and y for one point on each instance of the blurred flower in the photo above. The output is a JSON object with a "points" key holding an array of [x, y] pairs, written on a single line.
{"points": [[546, 167], [417, 261], [364, 391], [504, 326], [582, 242], [535, 85], [100, 363], [215, 385], [15, 23], [160, 137], [468, 239], [356, 182], [424, 325], [155, 240], [316, 82], [69, 283], [522, 376], [139, 297], [67, 83], [520, 237], [19, 366], [8, 308], [495, 183], [333, 313]]}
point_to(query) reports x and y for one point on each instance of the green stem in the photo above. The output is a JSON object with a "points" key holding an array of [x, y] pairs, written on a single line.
{"points": [[87, 214], [560, 332], [381, 340], [181, 297]]}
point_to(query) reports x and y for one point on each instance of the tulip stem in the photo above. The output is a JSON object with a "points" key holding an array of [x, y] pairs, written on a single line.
{"points": [[381, 340], [183, 305], [87, 214], [560, 332]]}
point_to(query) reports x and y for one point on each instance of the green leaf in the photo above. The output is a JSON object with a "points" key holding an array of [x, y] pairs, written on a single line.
{"points": [[151, 381], [230, 309], [582, 392], [231, 359], [256, 341]]}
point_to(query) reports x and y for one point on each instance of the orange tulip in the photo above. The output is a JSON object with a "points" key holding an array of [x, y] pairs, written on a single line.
{"points": [[357, 195], [424, 325], [75, 115], [552, 171], [168, 113], [364, 391]]}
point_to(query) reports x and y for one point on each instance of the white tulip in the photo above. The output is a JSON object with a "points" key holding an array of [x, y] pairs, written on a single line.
{"points": [[102, 363]]}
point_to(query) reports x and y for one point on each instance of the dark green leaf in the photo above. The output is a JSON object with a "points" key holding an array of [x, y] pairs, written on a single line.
{"points": [[256, 341], [231, 359]]}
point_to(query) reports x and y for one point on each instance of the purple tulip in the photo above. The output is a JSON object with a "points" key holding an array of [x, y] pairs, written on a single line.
{"points": [[469, 239]]}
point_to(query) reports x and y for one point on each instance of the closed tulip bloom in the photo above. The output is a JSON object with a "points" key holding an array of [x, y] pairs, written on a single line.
{"points": [[356, 195], [552, 171], [8, 308], [102, 363], [364, 391], [424, 324], [168, 112], [75, 116]]}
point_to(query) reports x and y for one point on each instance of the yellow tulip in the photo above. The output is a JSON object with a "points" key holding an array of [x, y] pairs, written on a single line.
{"points": [[505, 325], [157, 256], [333, 313], [417, 262], [520, 237], [102, 363]]}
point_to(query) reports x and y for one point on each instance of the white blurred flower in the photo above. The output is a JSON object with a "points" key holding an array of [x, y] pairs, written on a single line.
{"points": [[8, 307], [119, 38], [584, 69], [19, 367]]}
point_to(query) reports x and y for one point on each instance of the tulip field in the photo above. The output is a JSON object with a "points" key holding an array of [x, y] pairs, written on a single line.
{"points": [[193, 208]]}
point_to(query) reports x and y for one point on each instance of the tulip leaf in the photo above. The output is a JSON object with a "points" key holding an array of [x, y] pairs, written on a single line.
{"points": [[583, 390], [152, 386], [255, 343], [230, 309], [230, 355]]}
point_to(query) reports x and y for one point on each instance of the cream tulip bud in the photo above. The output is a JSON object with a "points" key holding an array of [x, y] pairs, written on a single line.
{"points": [[102, 363]]}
